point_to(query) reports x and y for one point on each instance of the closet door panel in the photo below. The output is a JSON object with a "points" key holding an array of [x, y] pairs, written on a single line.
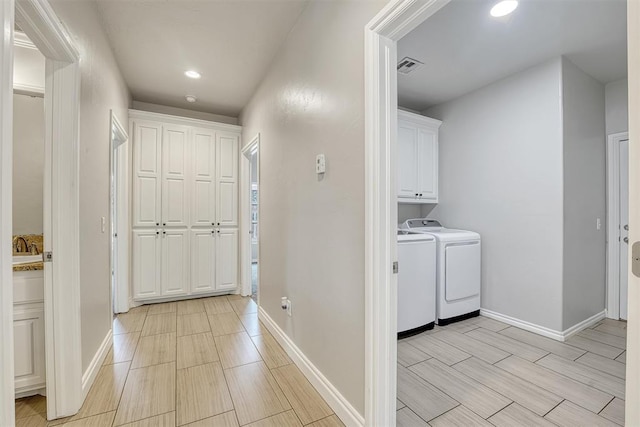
{"points": [[203, 261], [146, 264], [175, 262], [203, 190], [175, 170], [227, 259], [147, 164], [227, 176]]}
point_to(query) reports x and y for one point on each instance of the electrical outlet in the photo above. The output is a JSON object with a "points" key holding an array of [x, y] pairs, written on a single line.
{"points": [[598, 224], [103, 224], [289, 307]]}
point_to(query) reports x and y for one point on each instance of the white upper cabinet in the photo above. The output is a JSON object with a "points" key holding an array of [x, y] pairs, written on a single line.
{"points": [[227, 206], [175, 168], [417, 158], [147, 158], [203, 189]]}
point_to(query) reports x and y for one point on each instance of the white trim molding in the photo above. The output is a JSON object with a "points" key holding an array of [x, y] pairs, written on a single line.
{"points": [[394, 21], [7, 381], [91, 373], [544, 331], [613, 216], [245, 216], [340, 405]]}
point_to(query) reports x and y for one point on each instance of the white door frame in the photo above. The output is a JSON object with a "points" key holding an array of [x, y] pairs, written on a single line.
{"points": [[613, 215], [397, 19], [245, 217], [61, 220], [632, 409], [119, 168]]}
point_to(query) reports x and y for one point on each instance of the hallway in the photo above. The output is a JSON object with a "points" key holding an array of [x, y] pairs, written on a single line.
{"points": [[203, 362]]}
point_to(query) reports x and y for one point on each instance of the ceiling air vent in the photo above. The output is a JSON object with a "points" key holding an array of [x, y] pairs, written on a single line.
{"points": [[407, 65]]}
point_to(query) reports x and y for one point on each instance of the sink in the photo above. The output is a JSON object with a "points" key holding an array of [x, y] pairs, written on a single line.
{"points": [[26, 259]]}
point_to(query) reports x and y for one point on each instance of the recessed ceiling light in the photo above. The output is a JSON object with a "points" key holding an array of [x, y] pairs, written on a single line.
{"points": [[192, 74], [503, 8], [190, 98]]}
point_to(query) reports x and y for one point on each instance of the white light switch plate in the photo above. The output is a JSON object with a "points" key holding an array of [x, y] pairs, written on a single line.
{"points": [[320, 164], [103, 224]]}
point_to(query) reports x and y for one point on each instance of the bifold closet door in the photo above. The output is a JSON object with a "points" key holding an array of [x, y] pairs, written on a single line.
{"points": [[146, 263], [175, 170], [147, 175], [226, 259], [175, 262], [203, 261]]}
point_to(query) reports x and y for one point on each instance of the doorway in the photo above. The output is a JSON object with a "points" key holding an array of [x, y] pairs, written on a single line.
{"points": [[250, 215], [119, 218], [617, 224]]}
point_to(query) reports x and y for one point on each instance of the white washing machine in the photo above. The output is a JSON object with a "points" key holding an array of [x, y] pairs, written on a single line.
{"points": [[416, 283], [458, 269]]}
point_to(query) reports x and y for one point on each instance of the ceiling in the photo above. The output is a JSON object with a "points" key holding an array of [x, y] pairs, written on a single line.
{"points": [[230, 42], [463, 48]]}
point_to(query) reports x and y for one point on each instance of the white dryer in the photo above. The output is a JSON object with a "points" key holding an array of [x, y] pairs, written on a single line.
{"points": [[458, 269], [416, 283]]}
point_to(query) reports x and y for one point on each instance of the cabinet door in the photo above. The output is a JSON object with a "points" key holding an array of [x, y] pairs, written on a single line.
{"points": [[175, 167], [203, 261], [146, 264], [147, 164], [175, 262], [407, 176], [29, 356], [427, 164], [227, 171], [203, 188], [227, 259]]}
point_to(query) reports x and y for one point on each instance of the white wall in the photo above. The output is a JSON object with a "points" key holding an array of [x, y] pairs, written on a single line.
{"points": [[312, 230], [102, 90], [501, 175], [174, 111], [28, 68], [584, 162], [28, 164], [617, 106]]}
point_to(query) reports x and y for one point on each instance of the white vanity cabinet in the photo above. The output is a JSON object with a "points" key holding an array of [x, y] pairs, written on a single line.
{"points": [[28, 332], [185, 206], [417, 158]]}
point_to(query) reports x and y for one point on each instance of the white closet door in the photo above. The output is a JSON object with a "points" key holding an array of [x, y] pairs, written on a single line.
{"points": [[175, 168], [226, 259], [175, 262], [203, 257], [427, 153], [406, 170], [146, 264], [203, 189], [227, 171], [147, 163]]}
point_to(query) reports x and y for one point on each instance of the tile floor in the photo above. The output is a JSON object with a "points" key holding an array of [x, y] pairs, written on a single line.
{"points": [[481, 372], [203, 362]]}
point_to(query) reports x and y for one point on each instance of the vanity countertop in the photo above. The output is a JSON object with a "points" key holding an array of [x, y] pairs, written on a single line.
{"points": [[29, 267]]}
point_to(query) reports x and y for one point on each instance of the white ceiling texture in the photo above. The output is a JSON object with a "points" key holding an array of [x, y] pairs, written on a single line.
{"points": [[463, 48], [231, 43]]}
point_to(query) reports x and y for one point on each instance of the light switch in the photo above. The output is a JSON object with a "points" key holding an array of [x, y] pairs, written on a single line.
{"points": [[320, 164]]}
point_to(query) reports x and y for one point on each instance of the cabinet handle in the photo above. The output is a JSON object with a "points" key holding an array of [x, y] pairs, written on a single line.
{"points": [[164, 224], [218, 231], [164, 232], [157, 224], [420, 194], [157, 232], [213, 231], [218, 223]]}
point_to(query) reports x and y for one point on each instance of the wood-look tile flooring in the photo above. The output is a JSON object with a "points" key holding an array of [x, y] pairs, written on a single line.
{"points": [[481, 372], [202, 362]]}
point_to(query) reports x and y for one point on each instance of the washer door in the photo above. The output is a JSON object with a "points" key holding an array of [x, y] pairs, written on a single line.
{"points": [[462, 270]]}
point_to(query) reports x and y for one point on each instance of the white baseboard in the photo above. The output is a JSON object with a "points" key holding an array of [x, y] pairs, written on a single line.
{"points": [[91, 373], [541, 330], [343, 409], [584, 324]]}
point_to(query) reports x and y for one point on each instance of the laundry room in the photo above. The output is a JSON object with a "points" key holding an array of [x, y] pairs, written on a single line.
{"points": [[511, 206]]}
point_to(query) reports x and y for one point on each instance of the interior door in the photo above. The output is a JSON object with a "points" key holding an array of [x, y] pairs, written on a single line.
{"points": [[407, 176], [203, 260], [203, 189], [146, 263], [227, 171], [624, 226], [175, 168], [147, 166], [427, 155], [227, 259], [175, 262]]}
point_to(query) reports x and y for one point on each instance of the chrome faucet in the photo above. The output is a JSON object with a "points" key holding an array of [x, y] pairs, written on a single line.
{"points": [[16, 244]]}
